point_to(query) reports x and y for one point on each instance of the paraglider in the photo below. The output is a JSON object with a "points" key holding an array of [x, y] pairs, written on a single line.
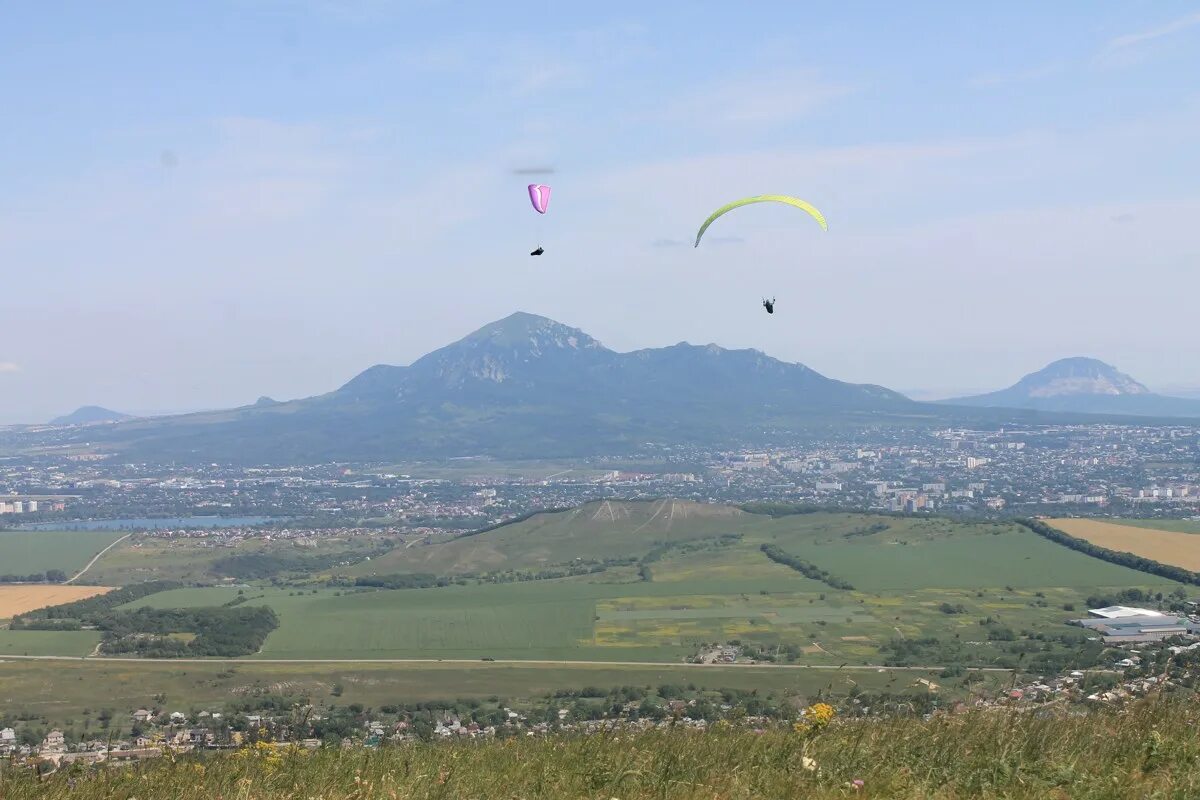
{"points": [[539, 195], [762, 198], [769, 305]]}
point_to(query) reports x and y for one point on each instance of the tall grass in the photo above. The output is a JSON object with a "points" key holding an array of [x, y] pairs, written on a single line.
{"points": [[1151, 750]]}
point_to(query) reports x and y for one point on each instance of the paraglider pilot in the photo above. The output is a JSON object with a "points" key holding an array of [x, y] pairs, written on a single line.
{"points": [[769, 305]]}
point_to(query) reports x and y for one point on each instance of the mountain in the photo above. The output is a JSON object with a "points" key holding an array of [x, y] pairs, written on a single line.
{"points": [[1084, 385], [525, 386], [88, 415], [529, 387]]}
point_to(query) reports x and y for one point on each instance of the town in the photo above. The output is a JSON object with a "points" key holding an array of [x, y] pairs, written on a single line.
{"points": [[1059, 470], [1163, 661]]}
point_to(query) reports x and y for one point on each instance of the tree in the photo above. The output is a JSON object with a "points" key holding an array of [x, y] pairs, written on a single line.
{"points": [[651, 710], [422, 729]]}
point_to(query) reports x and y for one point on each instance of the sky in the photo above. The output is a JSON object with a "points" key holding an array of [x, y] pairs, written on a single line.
{"points": [[204, 203]]}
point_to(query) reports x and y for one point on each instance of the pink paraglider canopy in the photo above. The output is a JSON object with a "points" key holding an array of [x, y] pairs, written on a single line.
{"points": [[539, 195]]}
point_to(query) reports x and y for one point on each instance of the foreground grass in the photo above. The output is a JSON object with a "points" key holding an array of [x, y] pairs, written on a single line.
{"points": [[1149, 751]]}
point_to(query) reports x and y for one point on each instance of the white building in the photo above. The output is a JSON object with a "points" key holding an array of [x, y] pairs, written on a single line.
{"points": [[1119, 612]]}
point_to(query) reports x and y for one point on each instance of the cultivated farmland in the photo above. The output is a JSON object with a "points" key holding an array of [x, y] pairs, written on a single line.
{"points": [[1177, 525], [691, 575], [17, 598], [1166, 547]]}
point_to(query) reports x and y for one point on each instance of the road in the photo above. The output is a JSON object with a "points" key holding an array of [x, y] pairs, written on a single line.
{"points": [[476, 661], [97, 558]]}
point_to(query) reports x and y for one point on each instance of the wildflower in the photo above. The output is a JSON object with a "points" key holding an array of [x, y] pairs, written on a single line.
{"points": [[819, 714], [809, 764], [857, 783]]}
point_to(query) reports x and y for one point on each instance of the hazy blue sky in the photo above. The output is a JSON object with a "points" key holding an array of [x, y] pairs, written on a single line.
{"points": [[205, 202]]}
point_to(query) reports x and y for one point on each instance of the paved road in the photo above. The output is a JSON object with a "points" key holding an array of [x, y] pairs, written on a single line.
{"points": [[97, 558], [512, 662]]}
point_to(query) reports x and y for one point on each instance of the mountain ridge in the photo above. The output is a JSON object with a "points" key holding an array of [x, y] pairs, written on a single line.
{"points": [[521, 386], [528, 387]]}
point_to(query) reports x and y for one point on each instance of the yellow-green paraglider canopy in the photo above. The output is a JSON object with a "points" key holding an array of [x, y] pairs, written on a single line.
{"points": [[763, 198]]}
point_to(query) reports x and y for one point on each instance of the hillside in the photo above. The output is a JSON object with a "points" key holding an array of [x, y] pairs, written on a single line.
{"points": [[599, 530], [1150, 752], [1083, 385]]}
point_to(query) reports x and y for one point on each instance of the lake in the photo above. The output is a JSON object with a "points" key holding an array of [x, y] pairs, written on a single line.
{"points": [[146, 524]]}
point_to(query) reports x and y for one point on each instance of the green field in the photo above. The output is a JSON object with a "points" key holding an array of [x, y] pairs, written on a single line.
{"points": [[47, 643], [60, 692], [709, 582], [703, 589], [938, 553], [29, 552], [914, 553], [147, 558], [594, 531]]}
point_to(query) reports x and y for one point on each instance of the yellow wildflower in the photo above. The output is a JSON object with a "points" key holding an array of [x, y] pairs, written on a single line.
{"points": [[820, 714]]}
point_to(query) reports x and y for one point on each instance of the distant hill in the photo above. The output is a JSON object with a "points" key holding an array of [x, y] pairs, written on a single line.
{"points": [[1084, 385], [88, 415], [598, 530]]}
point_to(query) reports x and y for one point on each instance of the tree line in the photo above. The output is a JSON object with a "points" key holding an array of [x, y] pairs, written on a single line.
{"points": [[805, 568], [257, 566], [49, 576], [81, 609]]}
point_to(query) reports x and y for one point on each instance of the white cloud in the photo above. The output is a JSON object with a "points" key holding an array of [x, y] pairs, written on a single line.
{"points": [[1130, 49], [1174, 26], [9, 366]]}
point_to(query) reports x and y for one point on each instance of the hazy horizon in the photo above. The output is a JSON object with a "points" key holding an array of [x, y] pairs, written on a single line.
{"points": [[200, 206]]}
